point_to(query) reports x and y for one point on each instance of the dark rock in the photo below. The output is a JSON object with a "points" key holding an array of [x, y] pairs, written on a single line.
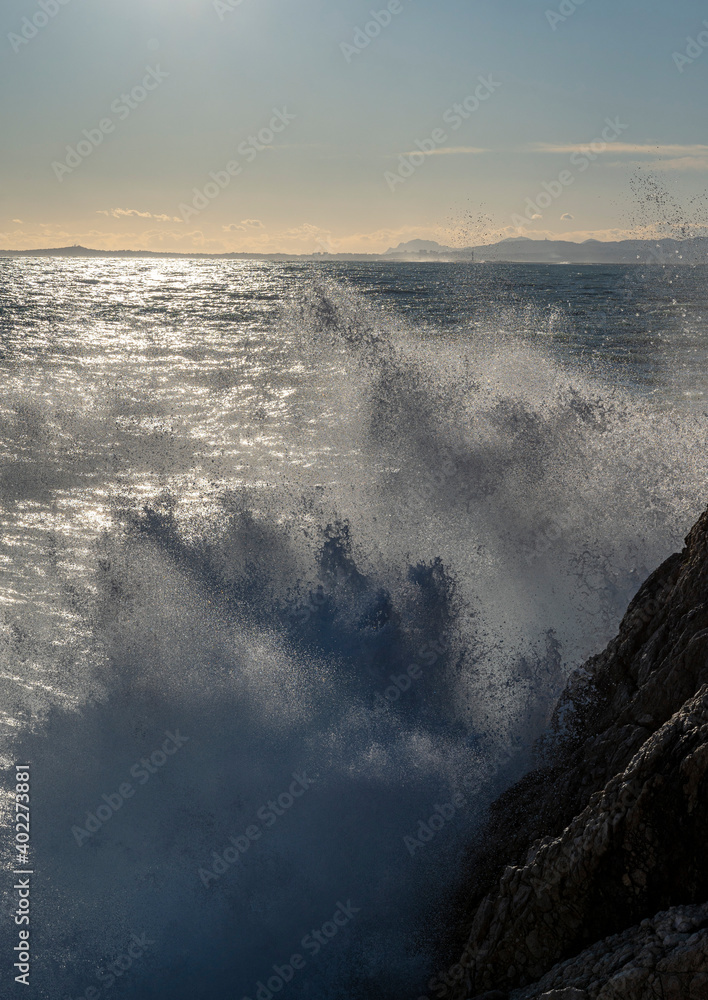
{"points": [[664, 957], [611, 830]]}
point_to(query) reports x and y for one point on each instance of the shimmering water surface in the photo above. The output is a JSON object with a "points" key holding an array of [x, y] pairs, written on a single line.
{"points": [[242, 500]]}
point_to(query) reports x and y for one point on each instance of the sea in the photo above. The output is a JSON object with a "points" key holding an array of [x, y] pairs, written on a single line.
{"points": [[295, 561]]}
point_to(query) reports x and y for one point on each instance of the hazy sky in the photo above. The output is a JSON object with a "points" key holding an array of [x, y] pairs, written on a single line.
{"points": [[313, 122]]}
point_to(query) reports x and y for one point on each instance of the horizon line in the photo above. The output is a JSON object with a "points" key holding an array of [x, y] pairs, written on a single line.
{"points": [[323, 255]]}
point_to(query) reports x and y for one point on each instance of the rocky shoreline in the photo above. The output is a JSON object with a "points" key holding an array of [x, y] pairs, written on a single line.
{"points": [[592, 881]]}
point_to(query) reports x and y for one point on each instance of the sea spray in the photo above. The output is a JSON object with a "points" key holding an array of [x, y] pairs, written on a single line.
{"points": [[189, 471]]}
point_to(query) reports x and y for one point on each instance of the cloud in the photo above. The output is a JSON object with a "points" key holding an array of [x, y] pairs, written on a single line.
{"points": [[18, 221], [683, 163], [681, 157], [120, 213], [567, 217], [450, 151], [665, 156], [643, 149], [245, 225], [117, 213], [536, 217]]}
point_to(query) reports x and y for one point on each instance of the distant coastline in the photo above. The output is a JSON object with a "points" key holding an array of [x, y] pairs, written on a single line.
{"points": [[519, 250]]}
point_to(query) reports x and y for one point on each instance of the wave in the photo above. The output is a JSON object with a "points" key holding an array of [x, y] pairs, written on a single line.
{"points": [[357, 624]]}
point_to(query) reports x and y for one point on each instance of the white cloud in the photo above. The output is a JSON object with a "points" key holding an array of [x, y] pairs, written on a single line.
{"points": [[664, 156], [450, 151], [635, 149], [120, 213], [245, 226], [567, 217]]}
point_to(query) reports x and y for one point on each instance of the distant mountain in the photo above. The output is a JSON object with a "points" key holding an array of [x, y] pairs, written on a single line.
{"points": [[521, 249], [418, 246], [668, 251], [516, 249]]}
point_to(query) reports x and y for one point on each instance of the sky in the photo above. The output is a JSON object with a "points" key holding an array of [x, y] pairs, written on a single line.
{"points": [[305, 126]]}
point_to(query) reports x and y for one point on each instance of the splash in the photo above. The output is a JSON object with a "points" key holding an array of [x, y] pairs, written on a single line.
{"points": [[349, 561]]}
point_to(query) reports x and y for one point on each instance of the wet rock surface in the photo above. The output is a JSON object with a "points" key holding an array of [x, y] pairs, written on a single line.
{"points": [[592, 883]]}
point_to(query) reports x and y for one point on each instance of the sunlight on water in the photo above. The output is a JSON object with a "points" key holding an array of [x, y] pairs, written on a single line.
{"points": [[314, 528]]}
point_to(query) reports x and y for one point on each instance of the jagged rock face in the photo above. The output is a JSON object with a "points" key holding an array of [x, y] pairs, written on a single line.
{"points": [[614, 827], [665, 958]]}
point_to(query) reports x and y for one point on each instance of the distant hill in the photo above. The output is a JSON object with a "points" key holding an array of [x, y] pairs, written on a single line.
{"points": [[516, 249], [521, 249], [693, 251], [418, 246]]}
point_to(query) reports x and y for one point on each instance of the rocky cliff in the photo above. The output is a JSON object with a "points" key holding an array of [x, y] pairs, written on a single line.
{"points": [[593, 880]]}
